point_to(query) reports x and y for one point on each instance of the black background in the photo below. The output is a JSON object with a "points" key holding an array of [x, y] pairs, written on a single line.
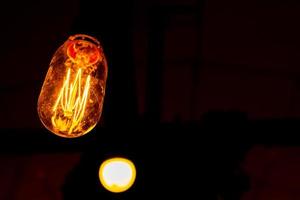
{"points": [[193, 87]]}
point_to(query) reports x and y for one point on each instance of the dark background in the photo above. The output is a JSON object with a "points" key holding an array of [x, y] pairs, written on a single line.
{"points": [[203, 96]]}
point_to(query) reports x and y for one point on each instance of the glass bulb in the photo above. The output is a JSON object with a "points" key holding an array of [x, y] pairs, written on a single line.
{"points": [[71, 99]]}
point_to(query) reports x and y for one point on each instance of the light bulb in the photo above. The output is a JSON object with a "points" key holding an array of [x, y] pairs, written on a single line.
{"points": [[71, 98], [117, 174]]}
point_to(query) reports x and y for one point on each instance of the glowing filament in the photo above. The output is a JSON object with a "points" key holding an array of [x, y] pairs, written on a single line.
{"points": [[72, 103]]}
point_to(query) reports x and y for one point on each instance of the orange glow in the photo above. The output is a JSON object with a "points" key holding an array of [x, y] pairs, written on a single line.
{"points": [[117, 174], [71, 99]]}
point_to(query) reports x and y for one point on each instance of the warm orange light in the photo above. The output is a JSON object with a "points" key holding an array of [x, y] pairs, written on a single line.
{"points": [[71, 99], [117, 174]]}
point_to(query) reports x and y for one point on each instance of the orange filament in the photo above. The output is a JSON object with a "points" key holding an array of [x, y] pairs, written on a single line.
{"points": [[70, 105]]}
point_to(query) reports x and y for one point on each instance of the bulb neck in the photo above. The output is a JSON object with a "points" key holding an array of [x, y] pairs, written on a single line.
{"points": [[85, 38]]}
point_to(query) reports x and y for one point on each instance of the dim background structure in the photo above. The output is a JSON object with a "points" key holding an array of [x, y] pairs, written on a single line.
{"points": [[195, 93]]}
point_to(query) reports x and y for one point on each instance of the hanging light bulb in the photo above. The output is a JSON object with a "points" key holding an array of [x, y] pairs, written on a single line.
{"points": [[71, 99]]}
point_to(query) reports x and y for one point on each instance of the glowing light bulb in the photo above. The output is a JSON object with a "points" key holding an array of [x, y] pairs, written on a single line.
{"points": [[71, 98], [117, 174]]}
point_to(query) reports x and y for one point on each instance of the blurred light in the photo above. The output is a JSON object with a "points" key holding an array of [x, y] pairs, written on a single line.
{"points": [[71, 99], [117, 174]]}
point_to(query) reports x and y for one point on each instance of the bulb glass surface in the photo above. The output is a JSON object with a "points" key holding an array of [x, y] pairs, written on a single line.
{"points": [[71, 99]]}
